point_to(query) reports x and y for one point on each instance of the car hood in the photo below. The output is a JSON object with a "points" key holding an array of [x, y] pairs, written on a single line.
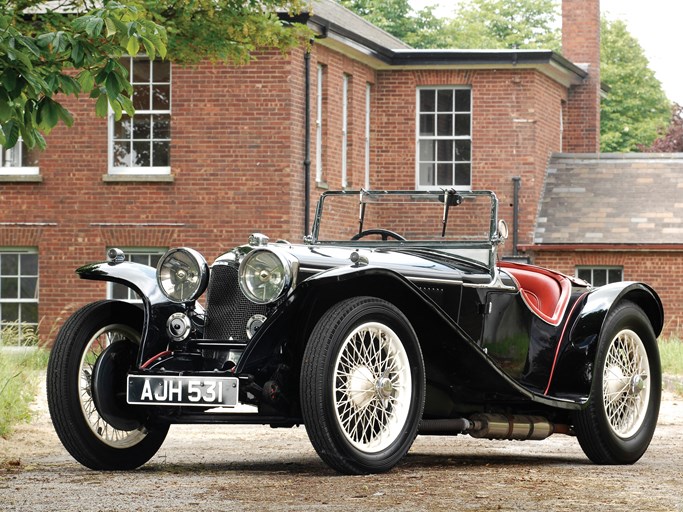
{"points": [[406, 261]]}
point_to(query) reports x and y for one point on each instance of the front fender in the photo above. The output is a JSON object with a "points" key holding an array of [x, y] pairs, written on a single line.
{"points": [[574, 370], [141, 278], [156, 307]]}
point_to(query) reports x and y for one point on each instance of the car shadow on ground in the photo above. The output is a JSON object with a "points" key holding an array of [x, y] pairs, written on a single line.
{"points": [[413, 462]]}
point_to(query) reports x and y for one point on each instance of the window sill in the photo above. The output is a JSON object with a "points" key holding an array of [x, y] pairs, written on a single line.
{"points": [[322, 184], [138, 178], [21, 178]]}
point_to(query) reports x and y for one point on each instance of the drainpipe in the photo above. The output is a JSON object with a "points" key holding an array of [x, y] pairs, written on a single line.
{"points": [[307, 137], [516, 181]]}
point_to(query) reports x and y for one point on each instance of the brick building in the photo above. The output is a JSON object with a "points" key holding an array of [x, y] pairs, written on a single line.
{"points": [[216, 152]]}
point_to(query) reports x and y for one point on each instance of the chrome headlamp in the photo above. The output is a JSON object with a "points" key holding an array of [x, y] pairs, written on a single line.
{"points": [[265, 275], [182, 274]]}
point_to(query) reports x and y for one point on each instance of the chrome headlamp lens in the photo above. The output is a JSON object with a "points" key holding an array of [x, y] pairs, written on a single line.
{"points": [[265, 275], [182, 274]]}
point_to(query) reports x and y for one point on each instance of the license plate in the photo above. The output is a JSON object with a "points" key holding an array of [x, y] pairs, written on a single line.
{"points": [[183, 390]]}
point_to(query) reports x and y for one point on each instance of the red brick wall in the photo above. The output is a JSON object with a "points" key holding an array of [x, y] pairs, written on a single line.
{"points": [[237, 155], [516, 125], [581, 45], [336, 66], [663, 271]]}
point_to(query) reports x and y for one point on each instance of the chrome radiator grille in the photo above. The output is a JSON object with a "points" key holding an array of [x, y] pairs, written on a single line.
{"points": [[227, 309]]}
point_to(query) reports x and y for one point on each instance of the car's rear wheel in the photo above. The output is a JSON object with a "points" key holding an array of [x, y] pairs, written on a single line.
{"points": [[362, 386], [619, 421], [87, 436]]}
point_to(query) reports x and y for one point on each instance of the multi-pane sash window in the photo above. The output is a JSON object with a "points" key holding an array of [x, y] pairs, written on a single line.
{"points": [[18, 160], [18, 295], [149, 257], [600, 276], [141, 144], [444, 137]]}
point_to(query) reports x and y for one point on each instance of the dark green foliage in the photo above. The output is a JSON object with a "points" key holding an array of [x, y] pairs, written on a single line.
{"points": [[76, 49]]}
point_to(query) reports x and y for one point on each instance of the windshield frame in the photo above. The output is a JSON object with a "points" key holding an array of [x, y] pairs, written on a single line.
{"points": [[365, 196]]}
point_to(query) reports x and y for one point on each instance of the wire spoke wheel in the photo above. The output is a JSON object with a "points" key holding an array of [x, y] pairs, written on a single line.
{"points": [[88, 364], [619, 420], [362, 386], [625, 384], [372, 387], [104, 431]]}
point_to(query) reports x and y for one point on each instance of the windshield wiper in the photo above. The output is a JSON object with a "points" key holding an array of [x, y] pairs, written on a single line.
{"points": [[361, 214], [450, 198]]}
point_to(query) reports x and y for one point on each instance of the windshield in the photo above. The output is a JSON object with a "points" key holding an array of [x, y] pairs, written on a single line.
{"points": [[444, 220]]}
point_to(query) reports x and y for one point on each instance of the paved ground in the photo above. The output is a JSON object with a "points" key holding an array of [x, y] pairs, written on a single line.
{"points": [[231, 468]]}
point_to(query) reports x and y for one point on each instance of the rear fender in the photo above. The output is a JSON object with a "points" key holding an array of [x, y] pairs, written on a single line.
{"points": [[574, 366], [156, 307]]}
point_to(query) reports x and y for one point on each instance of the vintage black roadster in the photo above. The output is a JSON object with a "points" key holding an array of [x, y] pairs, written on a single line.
{"points": [[395, 317]]}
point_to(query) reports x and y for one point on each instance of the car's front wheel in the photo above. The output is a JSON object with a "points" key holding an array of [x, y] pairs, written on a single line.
{"points": [[362, 386], [85, 433], [619, 421]]}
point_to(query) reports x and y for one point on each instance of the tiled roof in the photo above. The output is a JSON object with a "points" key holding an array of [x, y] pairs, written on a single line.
{"points": [[332, 12], [612, 199]]}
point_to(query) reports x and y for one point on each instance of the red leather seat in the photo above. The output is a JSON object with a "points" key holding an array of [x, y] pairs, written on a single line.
{"points": [[545, 292]]}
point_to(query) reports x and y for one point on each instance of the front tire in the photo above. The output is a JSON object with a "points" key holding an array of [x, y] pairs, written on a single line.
{"points": [[619, 421], [86, 435], [362, 386]]}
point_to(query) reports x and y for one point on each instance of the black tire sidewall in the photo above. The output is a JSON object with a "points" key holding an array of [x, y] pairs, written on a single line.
{"points": [[64, 400], [627, 450], [378, 311]]}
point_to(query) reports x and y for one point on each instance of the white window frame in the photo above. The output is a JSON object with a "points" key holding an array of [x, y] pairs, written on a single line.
{"points": [[19, 300], [345, 133], [435, 137], [8, 155], [593, 268], [129, 252], [368, 93], [319, 126], [123, 170]]}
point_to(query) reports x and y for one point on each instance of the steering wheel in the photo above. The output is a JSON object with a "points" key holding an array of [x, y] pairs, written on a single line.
{"points": [[386, 234]]}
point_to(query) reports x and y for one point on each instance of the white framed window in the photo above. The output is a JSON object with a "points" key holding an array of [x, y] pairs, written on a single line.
{"points": [[368, 93], [444, 138], [19, 160], [142, 144], [18, 294], [319, 126], [345, 131], [600, 276], [145, 256]]}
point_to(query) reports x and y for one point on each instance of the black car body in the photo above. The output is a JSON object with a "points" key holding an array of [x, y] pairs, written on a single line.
{"points": [[394, 318]]}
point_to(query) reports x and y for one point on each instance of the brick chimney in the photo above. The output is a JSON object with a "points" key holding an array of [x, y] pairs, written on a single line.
{"points": [[581, 45]]}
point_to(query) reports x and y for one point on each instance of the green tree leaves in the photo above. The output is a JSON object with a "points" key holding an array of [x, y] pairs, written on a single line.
{"points": [[45, 53], [633, 112], [636, 109], [38, 57], [505, 24]]}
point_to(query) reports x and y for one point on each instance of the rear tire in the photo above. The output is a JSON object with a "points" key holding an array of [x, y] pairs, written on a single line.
{"points": [[362, 386], [85, 434], [618, 423]]}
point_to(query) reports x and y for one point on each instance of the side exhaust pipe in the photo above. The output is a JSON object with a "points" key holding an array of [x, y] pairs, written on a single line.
{"points": [[495, 426]]}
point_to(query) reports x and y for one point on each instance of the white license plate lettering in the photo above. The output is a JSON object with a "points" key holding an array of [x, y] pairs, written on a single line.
{"points": [[184, 390]]}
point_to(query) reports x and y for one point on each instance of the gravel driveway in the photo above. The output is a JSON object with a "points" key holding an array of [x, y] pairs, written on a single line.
{"points": [[238, 468]]}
